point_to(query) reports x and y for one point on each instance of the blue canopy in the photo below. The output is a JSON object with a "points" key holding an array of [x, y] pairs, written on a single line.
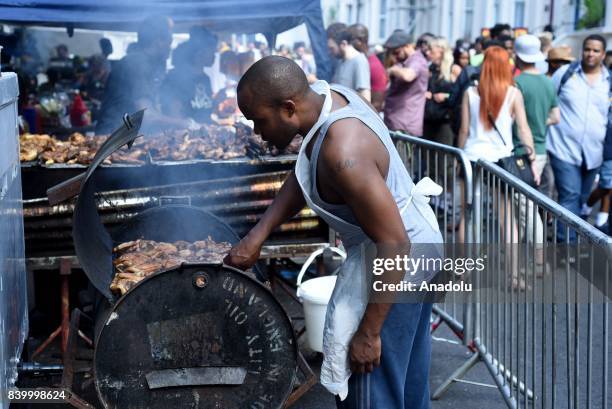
{"points": [[268, 17]]}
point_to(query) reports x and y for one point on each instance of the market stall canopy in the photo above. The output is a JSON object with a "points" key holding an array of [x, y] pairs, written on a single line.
{"points": [[268, 17]]}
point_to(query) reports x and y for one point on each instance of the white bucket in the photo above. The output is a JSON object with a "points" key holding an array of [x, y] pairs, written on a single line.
{"points": [[315, 295]]}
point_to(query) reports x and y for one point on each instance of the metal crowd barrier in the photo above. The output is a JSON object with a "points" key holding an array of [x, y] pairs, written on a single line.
{"points": [[449, 167], [541, 309], [539, 316]]}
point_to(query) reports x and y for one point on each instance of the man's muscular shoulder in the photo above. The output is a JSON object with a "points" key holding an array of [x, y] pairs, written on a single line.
{"points": [[350, 142]]}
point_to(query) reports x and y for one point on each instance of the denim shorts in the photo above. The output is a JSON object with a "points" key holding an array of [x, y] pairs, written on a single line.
{"points": [[605, 175]]}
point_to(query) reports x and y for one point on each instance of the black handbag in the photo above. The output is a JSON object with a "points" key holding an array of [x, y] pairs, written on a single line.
{"points": [[517, 165]]}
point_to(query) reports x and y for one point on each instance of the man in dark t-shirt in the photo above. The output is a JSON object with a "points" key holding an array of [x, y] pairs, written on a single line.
{"points": [[135, 80], [186, 92]]}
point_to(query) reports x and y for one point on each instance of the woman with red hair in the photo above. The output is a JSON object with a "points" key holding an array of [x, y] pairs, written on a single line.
{"points": [[488, 112]]}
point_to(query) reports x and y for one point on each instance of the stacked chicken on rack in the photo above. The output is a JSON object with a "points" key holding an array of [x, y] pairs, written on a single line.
{"points": [[138, 259], [214, 142]]}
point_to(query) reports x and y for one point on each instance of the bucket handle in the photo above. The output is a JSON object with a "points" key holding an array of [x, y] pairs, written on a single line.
{"points": [[311, 258]]}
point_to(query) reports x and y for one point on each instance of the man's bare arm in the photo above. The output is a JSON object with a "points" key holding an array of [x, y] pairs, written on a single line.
{"points": [[351, 165], [554, 116], [465, 121]]}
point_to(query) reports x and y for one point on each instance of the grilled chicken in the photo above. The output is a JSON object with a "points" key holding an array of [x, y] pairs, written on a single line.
{"points": [[217, 142], [135, 260]]}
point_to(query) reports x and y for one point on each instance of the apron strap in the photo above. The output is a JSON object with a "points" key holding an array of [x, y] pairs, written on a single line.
{"points": [[420, 194]]}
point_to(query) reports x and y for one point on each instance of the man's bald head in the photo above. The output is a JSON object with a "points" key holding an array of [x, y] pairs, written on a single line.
{"points": [[274, 79]]}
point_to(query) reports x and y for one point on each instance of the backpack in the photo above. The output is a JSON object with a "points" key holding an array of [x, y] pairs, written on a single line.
{"points": [[571, 70]]}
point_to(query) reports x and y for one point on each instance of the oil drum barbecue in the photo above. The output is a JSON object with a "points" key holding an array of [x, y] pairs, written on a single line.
{"points": [[200, 335]]}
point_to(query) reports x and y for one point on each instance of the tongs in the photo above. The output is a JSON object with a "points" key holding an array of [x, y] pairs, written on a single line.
{"points": [[126, 134]]}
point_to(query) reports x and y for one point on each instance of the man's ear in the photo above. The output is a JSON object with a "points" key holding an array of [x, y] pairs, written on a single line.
{"points": [[289, 107]]}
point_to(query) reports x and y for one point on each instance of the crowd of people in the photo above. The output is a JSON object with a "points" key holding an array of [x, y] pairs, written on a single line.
{"points": [[493, 95], [486, 97]]}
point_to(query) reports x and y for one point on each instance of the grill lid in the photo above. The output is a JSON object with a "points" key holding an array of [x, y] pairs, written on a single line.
{"points": [[93, 244]]}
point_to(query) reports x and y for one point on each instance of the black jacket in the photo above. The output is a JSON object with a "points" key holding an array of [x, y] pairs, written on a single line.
{"points": [[437, 112]]}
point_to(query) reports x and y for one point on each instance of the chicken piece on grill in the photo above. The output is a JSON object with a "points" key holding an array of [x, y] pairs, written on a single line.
{"points": [[77, 138], [128, 245], [182, 244], [27, 155], [55, 156], [32, 145], [131, 259], [166, 248], [137, 259], [143, 270], [172, 262], [123, 283], [185, 253]]}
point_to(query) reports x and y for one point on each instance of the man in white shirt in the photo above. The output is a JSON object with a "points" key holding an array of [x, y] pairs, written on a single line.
{"points": [[576, 144]]}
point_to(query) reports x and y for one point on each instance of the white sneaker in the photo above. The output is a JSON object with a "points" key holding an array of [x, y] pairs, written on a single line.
{"points": [[586, 210], [601, 219]]}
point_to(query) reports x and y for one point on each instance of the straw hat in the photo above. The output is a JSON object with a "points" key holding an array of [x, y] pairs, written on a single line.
{"points": [[561, 53]]}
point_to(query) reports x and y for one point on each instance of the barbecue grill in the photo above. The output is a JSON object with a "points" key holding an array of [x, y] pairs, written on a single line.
{"points": [[239, 201], [38, 177], [237, 190], [201, 335]]}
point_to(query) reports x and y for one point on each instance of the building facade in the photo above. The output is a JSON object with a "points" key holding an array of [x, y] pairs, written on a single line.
{"points": [[455, 19]]}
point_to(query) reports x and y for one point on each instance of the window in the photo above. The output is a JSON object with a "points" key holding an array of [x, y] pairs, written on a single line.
{"points": [[349, 13], [469, 19], [496, 16], [412, 16], [359, 10], [451, 14], [382, 29], [398, 14], [519, 13]]}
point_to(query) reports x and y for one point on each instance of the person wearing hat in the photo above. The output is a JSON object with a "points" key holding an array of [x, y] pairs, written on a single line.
{"points": [[405, 99], [558, 57], [539, 95], [540, 100]]}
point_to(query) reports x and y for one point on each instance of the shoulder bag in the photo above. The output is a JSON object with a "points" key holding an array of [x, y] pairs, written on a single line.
{"points": [[518, 165]]}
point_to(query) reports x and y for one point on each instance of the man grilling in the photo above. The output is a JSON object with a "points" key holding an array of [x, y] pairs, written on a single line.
{"points": [[186, 91], [376, 355], [135, 80]]}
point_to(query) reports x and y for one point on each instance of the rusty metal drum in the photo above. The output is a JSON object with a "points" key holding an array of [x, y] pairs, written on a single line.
{"points": [[199, 336]]}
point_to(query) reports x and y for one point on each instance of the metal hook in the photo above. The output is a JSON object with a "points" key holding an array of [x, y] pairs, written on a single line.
{"points": [[127, 121]]}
